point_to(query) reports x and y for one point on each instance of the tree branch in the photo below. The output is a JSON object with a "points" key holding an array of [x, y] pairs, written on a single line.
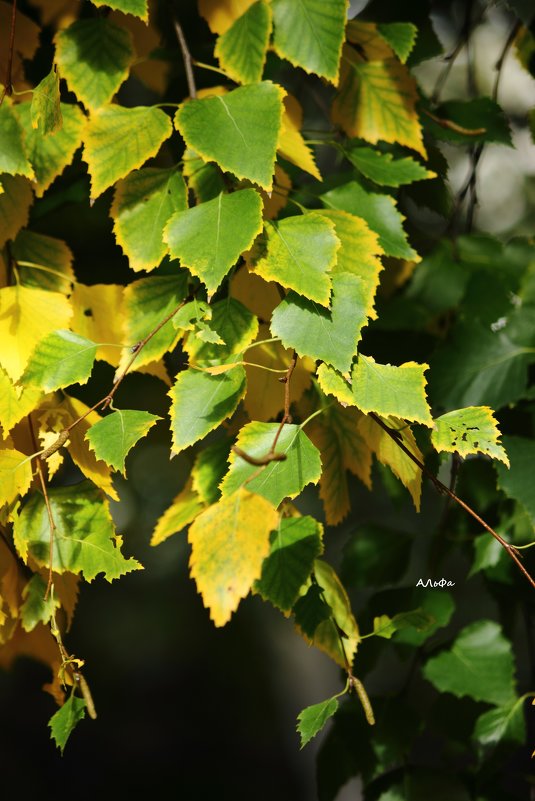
{"points": [[8, 85], [186, 56]]}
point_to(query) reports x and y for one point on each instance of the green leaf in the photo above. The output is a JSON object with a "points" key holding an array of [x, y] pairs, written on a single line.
{"points": [[380, 213], [438, 605], [327, 635], [295, 544], [385, 626], [517, 482], [60, 359], [65, 720], [49, 155], [110, 149], [200, 402], [479, 665], [15, 202], [209, 238], [139, 8], [94, 57], [332, 383], [331, 335], [45, 108], [473, 121], [229, 542], [142, 205], [310, 610], [235, 326], [184, 509], [209, 469], [147, 302], [238, 130], [478, 366], [35, 609], [117, 433], [401, 36], [504, 723], [309, 33], [391, 391], [241, 50], [300, 252], [312, 719], [278, 479], [384, 169], [84, 539], [470, 430], [13, 158]]}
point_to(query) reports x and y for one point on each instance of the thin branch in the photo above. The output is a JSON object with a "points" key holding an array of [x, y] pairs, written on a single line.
{"points": [[186, 56], [8, 85], [450, 59], [52, 524], [396, 436]]}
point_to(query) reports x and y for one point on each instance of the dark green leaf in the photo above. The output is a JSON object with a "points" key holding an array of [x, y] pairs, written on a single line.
{"points": [[64, 721]]}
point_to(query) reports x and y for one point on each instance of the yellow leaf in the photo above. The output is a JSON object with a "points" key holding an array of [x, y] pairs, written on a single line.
{"points": [[276, 200], [15, 202], [184, 509], [335, 433], [92, 319], [265, 394], [358, 253], [229, 542], [15, 402], [259, 296], [38, 644], [27, 315], [291, 144], [220, 14], [59, 12], [333, 383], [389, 453], [15, 475], [377, 95]]}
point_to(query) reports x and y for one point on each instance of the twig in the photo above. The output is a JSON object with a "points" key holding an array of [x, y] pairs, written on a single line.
{"points": [[271, 455], [450, 59], [511, 550], [42, 480], [8, 85], [186, 56]]}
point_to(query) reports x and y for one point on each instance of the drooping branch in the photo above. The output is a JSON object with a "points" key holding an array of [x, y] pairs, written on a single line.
{"points": [[441, 487]]}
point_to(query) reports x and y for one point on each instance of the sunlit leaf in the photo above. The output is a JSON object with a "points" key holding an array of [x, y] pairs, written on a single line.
{"points": [[291, 145], [60, 359], [241, 50], [117, 140], [13, 158], [35, 608], [229, 542], [384, 169], [312, 719], [92, 319], [470, 430], [15, 475], [309, 33], [239, 131], [209, 238], [143, 203], [401, 36], [139, 8], [221, 15], [46, 108], [116, 434], [183, 511], [15, 402], [278, 479], [391, 391]]}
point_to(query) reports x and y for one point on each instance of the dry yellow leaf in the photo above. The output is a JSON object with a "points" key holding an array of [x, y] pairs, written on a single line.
{"points": [[27, 315], [220, 14], [291, 144], [229, 542]]}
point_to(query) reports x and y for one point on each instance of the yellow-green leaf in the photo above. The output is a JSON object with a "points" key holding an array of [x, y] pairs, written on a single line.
{"points": [[241, 50], [15, 202], [184, 509], [116, 434], [13, 158], [309, 33], [291, 144], [49, 261], [332, 383], [392, 391], [117, 140], [139, 8], [238, 130], [60, 359], [15, 475], [300, 253], [470, 430], [209, 238], [45, 109], [15, 402], [229, 542]]}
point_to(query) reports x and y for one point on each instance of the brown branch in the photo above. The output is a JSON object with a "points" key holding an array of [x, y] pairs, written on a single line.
{"points": [[271, 456], [42, 480], [186, 56], [8, 85], [511, 550]]}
